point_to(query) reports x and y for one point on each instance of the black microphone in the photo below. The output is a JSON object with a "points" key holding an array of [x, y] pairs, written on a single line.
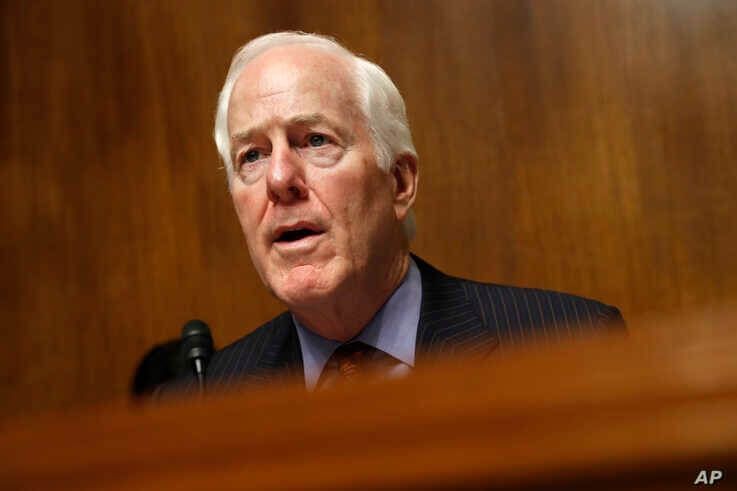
{"points": [[197, 348]]}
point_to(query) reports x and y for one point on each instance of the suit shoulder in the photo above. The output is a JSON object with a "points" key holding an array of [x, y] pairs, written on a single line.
{"points": [[525, 309]]}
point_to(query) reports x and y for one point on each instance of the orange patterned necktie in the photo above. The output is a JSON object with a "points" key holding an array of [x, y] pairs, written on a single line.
{"points": [[347, 361]]}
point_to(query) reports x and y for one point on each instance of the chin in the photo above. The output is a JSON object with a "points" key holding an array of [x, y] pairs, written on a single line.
{"points": [[304, 285]]}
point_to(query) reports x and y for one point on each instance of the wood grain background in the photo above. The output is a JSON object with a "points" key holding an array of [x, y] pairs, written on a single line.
{"points": [[583, 146]]}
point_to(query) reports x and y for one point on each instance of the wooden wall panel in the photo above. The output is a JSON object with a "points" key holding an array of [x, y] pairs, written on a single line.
{"points": [[582, 146]]}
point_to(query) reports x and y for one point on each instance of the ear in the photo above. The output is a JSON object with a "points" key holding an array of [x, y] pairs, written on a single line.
{"points": [[406, 175]]}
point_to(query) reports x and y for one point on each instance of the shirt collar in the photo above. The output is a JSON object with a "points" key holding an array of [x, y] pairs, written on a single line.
{"points": [[393, 330]]}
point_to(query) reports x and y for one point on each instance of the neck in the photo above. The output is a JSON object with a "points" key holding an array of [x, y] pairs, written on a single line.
{"points": [[344, 316]]}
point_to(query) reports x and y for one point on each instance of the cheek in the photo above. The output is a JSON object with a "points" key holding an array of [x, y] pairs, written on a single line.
{"points": [[248, 217], [247, 210], [365, 206], [240, 203]]}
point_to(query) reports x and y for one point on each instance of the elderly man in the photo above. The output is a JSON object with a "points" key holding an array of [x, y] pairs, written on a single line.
{"points": [[323, 174]]}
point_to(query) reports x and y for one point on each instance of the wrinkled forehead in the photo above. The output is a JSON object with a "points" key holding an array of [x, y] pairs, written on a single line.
{"points": [[288, 78]]}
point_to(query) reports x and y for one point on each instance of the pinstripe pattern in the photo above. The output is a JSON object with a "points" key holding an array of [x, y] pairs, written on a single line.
{"points": [[457, 316]]}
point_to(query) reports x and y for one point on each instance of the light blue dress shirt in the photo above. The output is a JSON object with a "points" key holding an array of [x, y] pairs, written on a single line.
{"points": [[393, 330]]}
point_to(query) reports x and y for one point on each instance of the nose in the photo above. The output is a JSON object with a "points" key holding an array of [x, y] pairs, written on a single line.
{"points": [[285, 180]]}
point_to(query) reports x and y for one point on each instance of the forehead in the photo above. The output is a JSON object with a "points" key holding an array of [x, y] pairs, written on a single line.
{"points": [[287, 81]]}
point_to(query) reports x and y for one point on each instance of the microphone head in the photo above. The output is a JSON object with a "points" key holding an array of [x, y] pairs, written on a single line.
{"points": [[196, 341]]}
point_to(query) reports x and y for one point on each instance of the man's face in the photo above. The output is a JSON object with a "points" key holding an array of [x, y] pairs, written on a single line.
{"points": [[317, 211]]}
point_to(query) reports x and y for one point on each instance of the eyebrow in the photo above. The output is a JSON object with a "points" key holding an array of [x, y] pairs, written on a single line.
{"points": [[310, 119]]}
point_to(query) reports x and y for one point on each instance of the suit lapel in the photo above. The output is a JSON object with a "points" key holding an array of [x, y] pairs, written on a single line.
{"points": [[281, 352], [448, 322]]}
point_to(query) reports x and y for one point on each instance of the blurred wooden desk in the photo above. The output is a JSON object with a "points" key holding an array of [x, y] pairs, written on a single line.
{"points": [[644, 412]]}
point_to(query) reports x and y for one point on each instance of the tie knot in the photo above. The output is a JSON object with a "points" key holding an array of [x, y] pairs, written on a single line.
{"points": [[354, 359], [350, 357]]}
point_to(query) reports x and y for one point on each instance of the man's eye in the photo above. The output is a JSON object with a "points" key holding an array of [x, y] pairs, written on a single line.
{"points": [[317, 140], [251, 156]]}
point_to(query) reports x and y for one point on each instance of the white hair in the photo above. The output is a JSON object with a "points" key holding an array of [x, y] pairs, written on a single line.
{"points": [[379, 101]]}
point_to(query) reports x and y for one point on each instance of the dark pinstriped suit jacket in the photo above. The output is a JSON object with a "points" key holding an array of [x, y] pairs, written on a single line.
{"points": [[456, 316]]}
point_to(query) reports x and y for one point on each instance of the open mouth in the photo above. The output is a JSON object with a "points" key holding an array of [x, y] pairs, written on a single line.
{"points": [[296, 234]]}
